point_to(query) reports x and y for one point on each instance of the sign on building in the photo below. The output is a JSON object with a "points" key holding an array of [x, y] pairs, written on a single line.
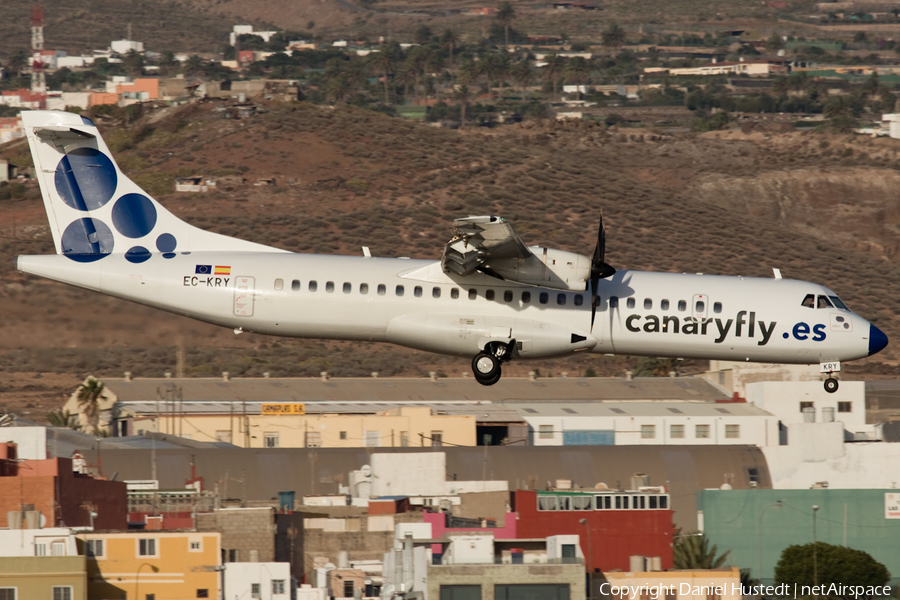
{"points": [[891, 506], [295, 408]]}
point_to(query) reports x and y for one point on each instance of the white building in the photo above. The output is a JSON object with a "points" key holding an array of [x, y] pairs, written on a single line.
{"points": [[794, 402], [248, 30], [53, 541], [414, 474], [265, 581], [647, 423], [126, 46]]}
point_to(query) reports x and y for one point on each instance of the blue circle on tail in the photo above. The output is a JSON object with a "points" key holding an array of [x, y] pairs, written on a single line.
{"points": [[85, 179], [137, 254], [87, 240], [134, 215], [166, 243]]}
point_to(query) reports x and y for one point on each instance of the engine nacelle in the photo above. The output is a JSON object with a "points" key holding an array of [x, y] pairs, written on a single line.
{"points": [[547, 267]]}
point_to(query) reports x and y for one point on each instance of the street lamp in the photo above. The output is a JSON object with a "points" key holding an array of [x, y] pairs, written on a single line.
{"points": [[777, 504], [137, 577], [815, 557], [590, 558]]}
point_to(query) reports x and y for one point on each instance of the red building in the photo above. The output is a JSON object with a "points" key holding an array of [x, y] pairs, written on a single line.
{"points": [[617, 525], [64, 498]]}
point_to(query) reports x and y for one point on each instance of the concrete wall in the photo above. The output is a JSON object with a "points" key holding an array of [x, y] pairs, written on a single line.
{"points": [[240, 576], [868, 465], [422, 474], [21, 542], [31, 441], [36, 576], [488, 576], [244, 530], [783, 398], [737, 375]]}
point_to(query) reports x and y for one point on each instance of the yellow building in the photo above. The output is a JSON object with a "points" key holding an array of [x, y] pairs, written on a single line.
{"points": [[56, 577], [152, 564], [700, 584], [399, 427]]}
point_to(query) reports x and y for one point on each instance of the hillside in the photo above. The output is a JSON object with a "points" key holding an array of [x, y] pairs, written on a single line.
{"points": [[819, 207]]}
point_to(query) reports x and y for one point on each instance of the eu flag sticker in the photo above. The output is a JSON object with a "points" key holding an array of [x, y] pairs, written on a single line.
{"points": [[203, 270]]}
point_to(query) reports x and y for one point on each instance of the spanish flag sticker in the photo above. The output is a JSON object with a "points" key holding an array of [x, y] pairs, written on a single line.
{"points": [[222, 270]]}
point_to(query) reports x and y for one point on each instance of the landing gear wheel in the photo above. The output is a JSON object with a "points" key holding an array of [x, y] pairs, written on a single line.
{"points": [[486, 368], [831, 385]]}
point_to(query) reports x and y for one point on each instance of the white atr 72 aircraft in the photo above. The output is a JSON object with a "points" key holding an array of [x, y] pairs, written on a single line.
{"points": [[490, 296]]}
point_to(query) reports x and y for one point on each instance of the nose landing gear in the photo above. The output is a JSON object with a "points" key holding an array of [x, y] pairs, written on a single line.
{"points": [[487, 364], [831, 384]]}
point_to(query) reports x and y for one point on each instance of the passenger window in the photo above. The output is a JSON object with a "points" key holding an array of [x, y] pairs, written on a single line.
{"points": [[454, 293], [399, 290], [364, 288], [613, 301], [295, 285], [348, 287], [561, 299], [824, 302], [489, 294], [279, 284], [473, 293], [313, 286], [507, 296], [630, 303], [329, 286], [664, 305], [682, 305], [579, 299], [544, 297], [436, 292], [382, 289], [700, 306], [417, 291], [717, 307], [809, 301], [526, 297], [648, 303]]}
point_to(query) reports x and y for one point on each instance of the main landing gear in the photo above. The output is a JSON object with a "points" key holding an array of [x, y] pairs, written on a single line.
{"points": [[486, 364]]}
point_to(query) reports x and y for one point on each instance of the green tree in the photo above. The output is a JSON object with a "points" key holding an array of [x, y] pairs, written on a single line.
{"points": [[408, 75], [523, 75], [577, 72], [506, 14], [385, 62], [450, 40], [842, 112], [60, 418], [17, 62], [692, 551], [338, 87], [168, 66], [194, 65], [133, 63], [423, 34], [774, 43], [463, 96], [613, 37], [833, 565], [88, 397], [553, 69]]}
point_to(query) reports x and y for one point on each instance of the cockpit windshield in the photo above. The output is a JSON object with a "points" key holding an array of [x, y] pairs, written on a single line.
{"points": [[812, 301]]}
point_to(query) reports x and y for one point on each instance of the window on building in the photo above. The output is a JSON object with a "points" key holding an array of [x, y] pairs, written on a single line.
{"points": [[545, 432], [62, 592], [255, 590], [93, 548], [348, 589], [382, 289], [713, 595], [223, 436], [270, 440], [58, 548], [147, 547], [40, 549], [805, 405], [364, 288], [329, 287], [454, 293], [373, 439], [234, 555], [313, 439], [701, 431], [845, 407], [279, 284], [278, 586], [437, 439], [653, 501], [753, 475], [196, 546], [648, 432], [417, 291], [9, 593], [671, 593], [581, 502], [548, 503], [460, 592], [150, 597], [203, 593], [343, 435], [404, 439], [295, 285], [537, 591], [664, 502], [733, 431], [313, 286]]}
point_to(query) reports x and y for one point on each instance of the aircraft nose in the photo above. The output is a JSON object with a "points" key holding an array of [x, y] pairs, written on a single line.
{"points": [[877, 340]]}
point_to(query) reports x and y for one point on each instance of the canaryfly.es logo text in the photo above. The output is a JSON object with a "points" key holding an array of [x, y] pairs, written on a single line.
{"points": [[744, 324]]}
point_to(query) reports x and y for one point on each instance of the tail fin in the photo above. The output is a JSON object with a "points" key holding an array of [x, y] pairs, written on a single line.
{"points": [[94, 209]]}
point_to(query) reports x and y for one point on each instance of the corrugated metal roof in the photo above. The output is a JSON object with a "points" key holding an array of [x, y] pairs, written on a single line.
{"points": [[394, 390], [635, 409]]}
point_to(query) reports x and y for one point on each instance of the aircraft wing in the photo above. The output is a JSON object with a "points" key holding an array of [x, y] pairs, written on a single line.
{"points": [[491, 246]]}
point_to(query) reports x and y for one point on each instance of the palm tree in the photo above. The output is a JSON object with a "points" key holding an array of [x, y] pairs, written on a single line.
{"points": [[496, 68], [552, 69], [133, 61], [385, 61], [613, 37], [577, 72], [524, 75], [450, 40], [88, 396], [167, 63], [462, 96], [194, 65], [692, 551], [59, 418], [468, 72], [408, 74], [505, 16], [338, 87]]}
